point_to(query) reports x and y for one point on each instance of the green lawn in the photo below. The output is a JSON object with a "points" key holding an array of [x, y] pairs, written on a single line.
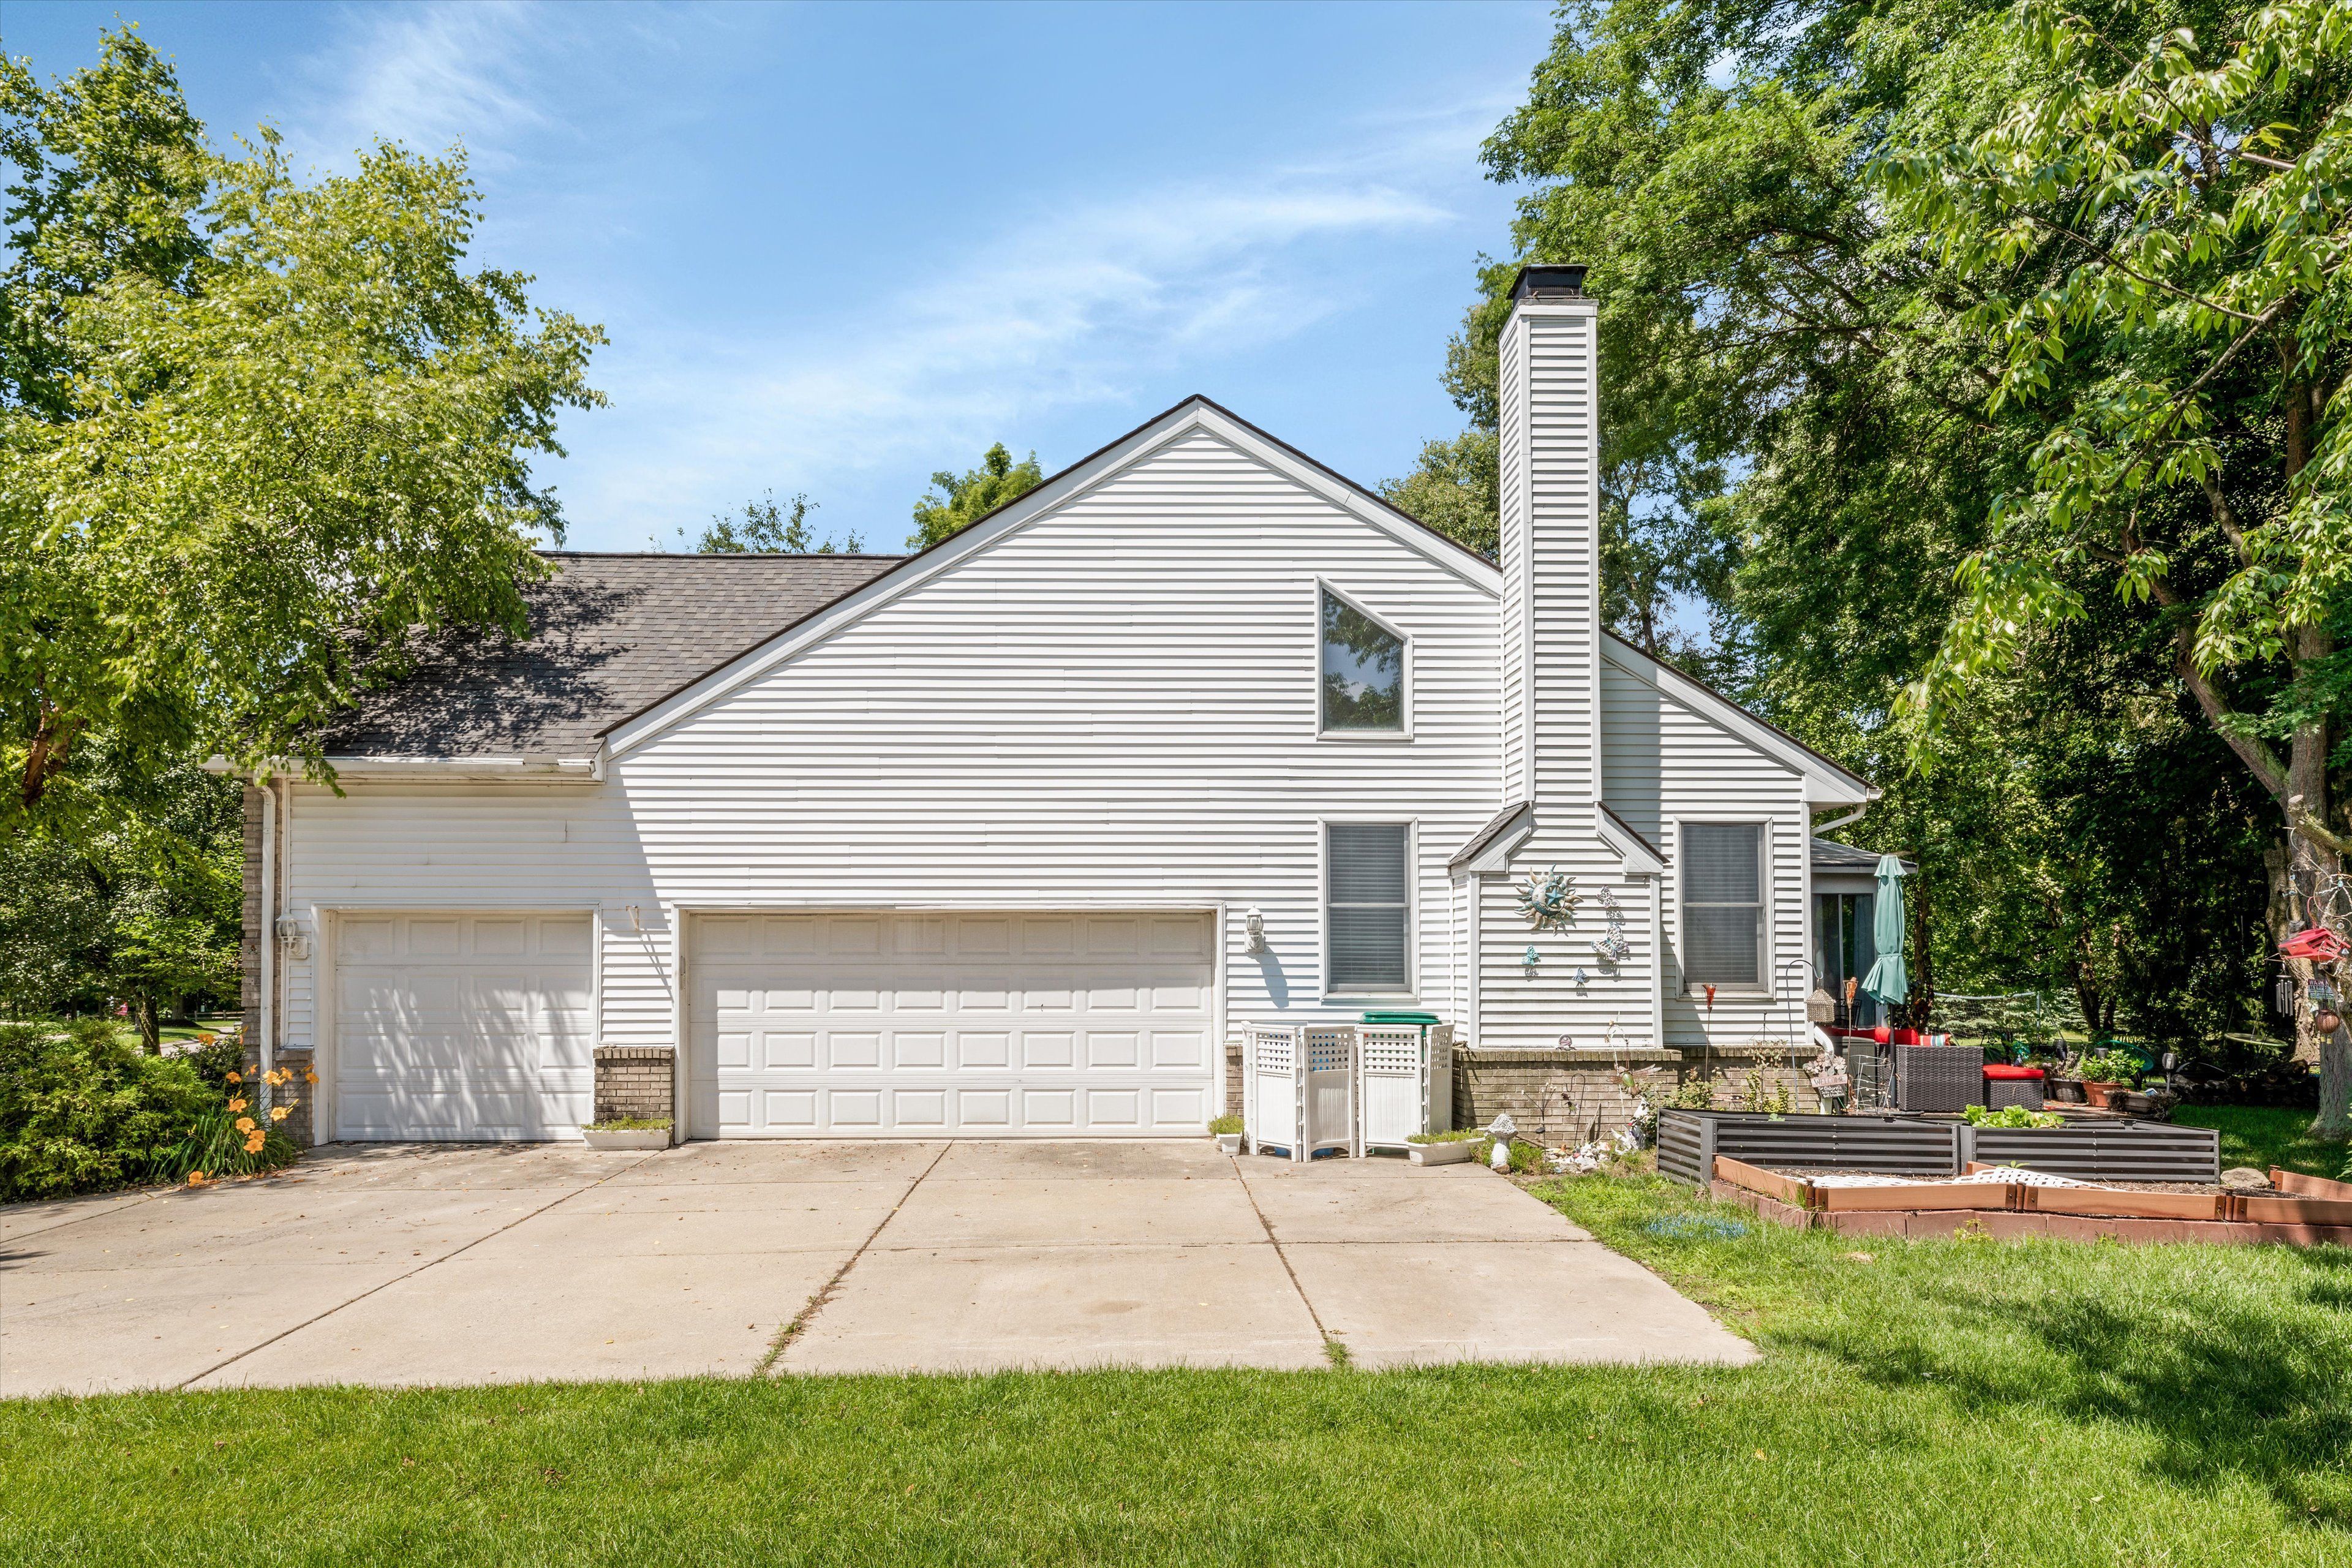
{"points": [[1933, 1402], [2263, 1136]]}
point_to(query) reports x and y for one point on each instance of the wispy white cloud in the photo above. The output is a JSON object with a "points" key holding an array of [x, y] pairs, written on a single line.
{"points": [[1075, 308], [427, 75], [1078, 305]]}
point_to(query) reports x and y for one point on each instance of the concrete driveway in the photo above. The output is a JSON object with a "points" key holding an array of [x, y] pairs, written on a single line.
{"points": [[445, 1265]]}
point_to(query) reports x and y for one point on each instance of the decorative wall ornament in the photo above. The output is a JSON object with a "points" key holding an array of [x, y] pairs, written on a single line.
{"points": [[1612, 946], [1546, 899]]}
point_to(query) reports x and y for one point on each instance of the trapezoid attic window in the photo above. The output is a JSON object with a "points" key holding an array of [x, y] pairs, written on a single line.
{"points": [[1363, 672]]}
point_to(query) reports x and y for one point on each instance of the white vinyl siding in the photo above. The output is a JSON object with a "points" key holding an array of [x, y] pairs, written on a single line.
{"points": [[1114, 705], [1723, 887]]}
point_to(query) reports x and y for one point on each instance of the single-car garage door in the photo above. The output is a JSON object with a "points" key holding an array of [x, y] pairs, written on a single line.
{"points": [[976, 1025], [463, 1026]]}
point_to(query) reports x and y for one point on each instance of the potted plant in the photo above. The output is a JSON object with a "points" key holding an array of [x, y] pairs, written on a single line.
{"points": [[1228, 1131], [628, 1132], [2106, 1071], [1443, 1147]]}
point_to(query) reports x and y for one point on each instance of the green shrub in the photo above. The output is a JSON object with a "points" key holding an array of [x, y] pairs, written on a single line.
{"points": [[2109, 1066], [216, 1061], [630, 1124], [1459, 1135], [1224, 1125], [81, 1108]]}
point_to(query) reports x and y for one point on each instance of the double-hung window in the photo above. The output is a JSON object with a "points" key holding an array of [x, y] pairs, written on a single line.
{"points": [[1723, 904], [1367, 911]]}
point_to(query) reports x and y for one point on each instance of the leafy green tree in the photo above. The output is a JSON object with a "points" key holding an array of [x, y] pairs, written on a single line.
{"points": [[2190, 175], [956, 501], [1454, 488], [254, 433], [1798, 413], [767, 525], [136, 903]]}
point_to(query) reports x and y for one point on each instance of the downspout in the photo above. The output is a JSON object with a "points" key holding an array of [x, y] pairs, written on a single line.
{"points": [[268, 935], [1658, 961], [1854, 816]]}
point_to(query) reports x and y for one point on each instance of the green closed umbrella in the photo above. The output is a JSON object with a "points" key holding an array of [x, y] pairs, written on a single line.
{"points": [[1888, 980]]}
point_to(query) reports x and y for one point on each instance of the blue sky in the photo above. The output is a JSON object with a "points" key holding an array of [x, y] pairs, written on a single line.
{"points": [[837, 248]]}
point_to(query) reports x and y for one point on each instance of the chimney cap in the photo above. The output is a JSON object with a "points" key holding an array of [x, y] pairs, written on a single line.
{"points": [[1540, 281]]}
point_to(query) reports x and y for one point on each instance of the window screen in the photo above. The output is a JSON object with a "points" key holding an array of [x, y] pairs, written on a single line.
{"points": [[1363, 669], [1723, 903], [1367, 905]]}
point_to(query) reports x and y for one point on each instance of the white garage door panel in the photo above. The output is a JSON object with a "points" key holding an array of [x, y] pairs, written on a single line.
{"points": [[463, 1026], [997, 1024]]}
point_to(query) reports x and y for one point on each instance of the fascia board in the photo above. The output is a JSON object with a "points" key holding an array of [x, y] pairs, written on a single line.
{"points": [[1636, 855], [1825, 783]]}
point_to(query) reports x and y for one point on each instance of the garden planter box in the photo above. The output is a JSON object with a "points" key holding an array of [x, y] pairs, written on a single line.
{"points": [[2098, 1093], [628, 1138], [1231, 1142], [1451, 1153], [2067, 1090]]}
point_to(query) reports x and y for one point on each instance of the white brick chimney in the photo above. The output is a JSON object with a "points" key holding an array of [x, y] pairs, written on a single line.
{"points": [[1551, 551]]}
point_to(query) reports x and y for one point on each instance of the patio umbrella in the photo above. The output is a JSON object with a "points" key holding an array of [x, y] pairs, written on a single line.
{"points": [[1888, 980]]}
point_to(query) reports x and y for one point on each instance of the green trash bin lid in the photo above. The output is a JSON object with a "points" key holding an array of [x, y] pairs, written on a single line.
{"points": [[1394, 1015]]}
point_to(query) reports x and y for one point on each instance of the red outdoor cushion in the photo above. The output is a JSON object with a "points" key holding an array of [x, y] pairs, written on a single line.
{"points": [[2013, 1072]]}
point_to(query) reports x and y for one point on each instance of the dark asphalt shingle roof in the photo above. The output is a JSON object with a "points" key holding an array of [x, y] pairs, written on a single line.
{"points": [[610, 635], [1829, 855]]}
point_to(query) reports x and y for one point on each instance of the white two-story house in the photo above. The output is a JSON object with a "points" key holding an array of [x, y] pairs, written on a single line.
{"points": [[1008, 838]]}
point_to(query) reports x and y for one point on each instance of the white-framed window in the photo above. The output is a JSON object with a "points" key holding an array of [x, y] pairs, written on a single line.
{"points": [[1361, 670], [1368, 908], [1722, 883]]}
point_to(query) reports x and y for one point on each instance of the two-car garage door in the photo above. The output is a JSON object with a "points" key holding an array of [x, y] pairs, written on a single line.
{"points": [[976, 1025]]}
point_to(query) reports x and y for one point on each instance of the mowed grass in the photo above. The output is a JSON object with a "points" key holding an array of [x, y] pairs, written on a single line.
{"points": [[2263, 1136], [1929, 1402]]}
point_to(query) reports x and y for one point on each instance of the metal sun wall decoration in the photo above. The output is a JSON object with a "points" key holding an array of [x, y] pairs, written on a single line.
{"points": [[1547, 901]]}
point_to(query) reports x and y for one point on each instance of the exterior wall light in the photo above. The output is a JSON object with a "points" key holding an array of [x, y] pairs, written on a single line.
{"points": [[1253, 923]]}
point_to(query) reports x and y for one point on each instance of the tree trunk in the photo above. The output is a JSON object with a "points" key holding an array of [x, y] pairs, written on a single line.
{"points": [[2317, 872], [1921, 1001], [151, 1033]]}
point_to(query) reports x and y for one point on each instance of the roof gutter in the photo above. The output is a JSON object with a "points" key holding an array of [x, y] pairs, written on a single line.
{"points": [[587, 769], [1850, 816]]}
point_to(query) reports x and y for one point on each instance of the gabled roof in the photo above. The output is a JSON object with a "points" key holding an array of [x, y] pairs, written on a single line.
{"points": [[1194, 414], [1486, 837], [609, 634], [1631, 848], [1829, 783]]}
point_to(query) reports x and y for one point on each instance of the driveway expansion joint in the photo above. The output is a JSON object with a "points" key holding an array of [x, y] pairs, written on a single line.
{"points": [[825, 1293], [411, 1274]]}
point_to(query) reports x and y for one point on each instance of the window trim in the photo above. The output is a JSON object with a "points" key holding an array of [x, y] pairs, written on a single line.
{"points": [[1404, 730], [1411, 990], [1764, 826]]}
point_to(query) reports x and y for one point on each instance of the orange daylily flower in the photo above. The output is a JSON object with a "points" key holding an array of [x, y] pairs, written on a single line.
{"points": [[236, 1078], [237, 1104], [280, 1113], [253, 1144], [309, 1077], [244, 1124]]}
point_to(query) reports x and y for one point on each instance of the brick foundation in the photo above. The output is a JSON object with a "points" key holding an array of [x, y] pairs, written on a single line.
{"points": [[633, 1083], [1233, 1075], [1553, 1096], [1561, 1096]]}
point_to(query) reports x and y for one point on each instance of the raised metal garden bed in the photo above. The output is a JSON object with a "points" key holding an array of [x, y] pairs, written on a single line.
{"points": [[1688, 1142]]}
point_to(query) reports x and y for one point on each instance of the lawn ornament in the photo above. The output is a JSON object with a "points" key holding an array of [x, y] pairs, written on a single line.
{"points": [[2319, 945]]}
